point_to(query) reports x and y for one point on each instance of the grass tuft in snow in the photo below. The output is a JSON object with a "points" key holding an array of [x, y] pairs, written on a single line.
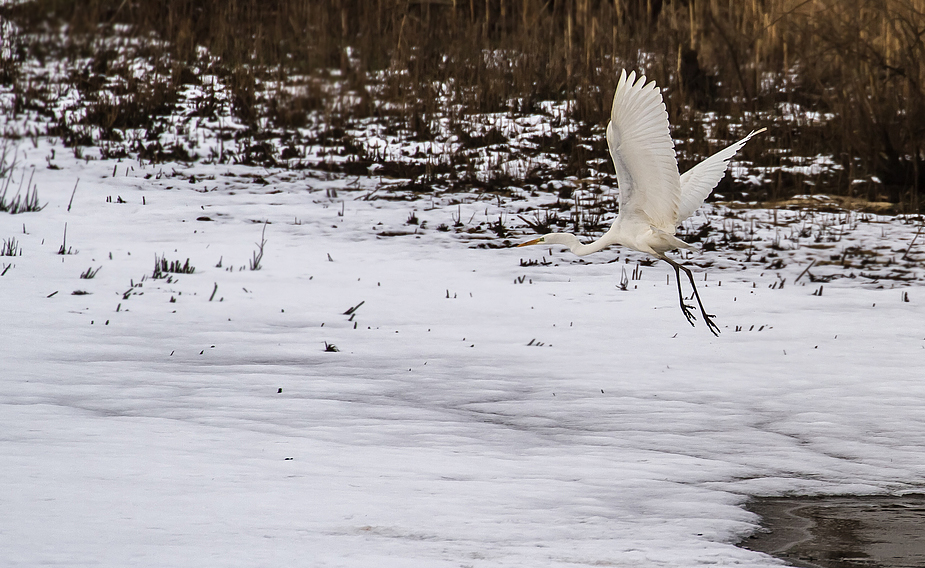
{"points": [[543, 222], [258, 254], [25, 203], [64, 249], [6, 163], [89, 273], [162, 268], [10, 247]]}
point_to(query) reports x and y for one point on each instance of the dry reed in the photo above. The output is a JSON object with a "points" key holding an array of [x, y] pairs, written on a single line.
{"points": [[838, 78]]}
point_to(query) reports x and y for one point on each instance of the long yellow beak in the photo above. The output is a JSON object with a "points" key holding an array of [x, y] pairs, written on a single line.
{"points": [[533, 242]]}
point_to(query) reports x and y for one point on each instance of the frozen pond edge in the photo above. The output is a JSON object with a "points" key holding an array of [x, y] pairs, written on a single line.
{"points": [[842, 531]]}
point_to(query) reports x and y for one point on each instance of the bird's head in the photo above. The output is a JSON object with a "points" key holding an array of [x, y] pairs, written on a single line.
{"points": [[566, 239], [538, 241]]}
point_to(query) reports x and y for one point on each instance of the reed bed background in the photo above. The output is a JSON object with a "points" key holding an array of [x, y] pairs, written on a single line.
{"points": [[839, 79]]}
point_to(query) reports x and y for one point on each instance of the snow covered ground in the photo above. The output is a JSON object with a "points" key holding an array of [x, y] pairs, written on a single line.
{"points": [[481, 409]]}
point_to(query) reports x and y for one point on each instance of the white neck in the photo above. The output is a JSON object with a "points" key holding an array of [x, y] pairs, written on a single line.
{"points": [[576, 246]]}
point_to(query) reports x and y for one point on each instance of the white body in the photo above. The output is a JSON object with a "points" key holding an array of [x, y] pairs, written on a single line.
{"points": [[654, 198]]}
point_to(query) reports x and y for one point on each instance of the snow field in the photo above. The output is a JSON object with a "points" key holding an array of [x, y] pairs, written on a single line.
{"points": [[553, 420]]}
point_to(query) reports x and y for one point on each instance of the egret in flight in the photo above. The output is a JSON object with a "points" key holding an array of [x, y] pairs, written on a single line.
{"points": [[654, 198]]}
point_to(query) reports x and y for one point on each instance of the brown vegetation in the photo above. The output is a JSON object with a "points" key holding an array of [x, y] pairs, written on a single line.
{"points": [[837, 78]]}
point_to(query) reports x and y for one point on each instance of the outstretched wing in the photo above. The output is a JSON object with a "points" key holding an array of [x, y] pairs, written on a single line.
{"points": [[699, 181], [643, 153]]}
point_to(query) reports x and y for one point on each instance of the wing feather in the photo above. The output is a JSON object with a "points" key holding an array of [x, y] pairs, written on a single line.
{"points": [[698, 182], [643, 153]]}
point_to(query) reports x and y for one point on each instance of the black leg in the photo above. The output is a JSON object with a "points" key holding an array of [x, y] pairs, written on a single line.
{"points": [[685, 309], [708, 318]]}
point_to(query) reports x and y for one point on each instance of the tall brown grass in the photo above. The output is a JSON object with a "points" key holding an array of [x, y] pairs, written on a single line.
{"points": [[839, 78]]}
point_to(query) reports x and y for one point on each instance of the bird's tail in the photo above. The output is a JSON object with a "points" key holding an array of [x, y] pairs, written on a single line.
{"points": [[669, 242]]}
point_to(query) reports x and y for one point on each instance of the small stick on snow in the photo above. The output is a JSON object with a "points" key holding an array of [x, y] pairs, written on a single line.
{"points": [[805, 270], [354, 308], [917, 233], [71, 202]]}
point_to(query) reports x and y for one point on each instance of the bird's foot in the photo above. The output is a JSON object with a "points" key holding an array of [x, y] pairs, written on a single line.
{"points": [[688, 312], [708, 318]]}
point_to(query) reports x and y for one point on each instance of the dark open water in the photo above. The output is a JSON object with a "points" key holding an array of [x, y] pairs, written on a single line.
{"points": [[842, 532]]}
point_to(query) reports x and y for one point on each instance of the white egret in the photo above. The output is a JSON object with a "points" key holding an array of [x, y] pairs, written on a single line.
{"points": [[654, 198]]}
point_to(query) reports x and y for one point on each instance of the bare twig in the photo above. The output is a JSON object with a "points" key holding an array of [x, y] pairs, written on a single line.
{"points": [[71, 202], [354, 308], [905, 255], [805, 270]]}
